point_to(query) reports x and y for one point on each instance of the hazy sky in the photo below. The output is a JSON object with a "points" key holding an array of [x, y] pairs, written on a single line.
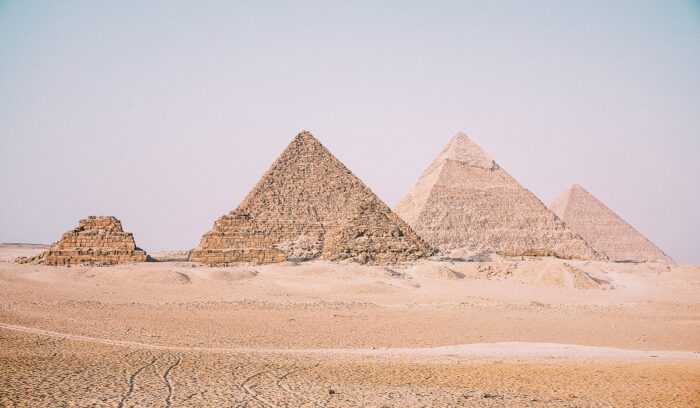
{"points": [[166, 113]]}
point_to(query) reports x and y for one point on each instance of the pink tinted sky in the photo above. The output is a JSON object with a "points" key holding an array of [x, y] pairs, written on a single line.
{"points": [[165, 114]]}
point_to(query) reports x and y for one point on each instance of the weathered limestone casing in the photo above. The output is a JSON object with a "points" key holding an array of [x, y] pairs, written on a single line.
{"points": [[465, 202], [603, 229]]}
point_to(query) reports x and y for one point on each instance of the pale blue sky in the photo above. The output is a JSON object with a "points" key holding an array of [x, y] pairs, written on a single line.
{"points": [[165, 113]]}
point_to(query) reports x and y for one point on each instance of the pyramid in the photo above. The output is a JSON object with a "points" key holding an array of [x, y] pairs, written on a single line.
{"points": [[604, 230], [308, 205], [96, 241], [465, 203]]}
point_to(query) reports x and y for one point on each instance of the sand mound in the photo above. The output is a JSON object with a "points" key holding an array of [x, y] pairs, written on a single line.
{"points": [[228, 275], [554, 273], [167, 278], [436, 271]]}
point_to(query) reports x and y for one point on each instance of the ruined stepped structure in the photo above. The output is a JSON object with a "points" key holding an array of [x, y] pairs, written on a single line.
{"points": [[464, 203], [96, 241], [603, 229], [308, 205]]}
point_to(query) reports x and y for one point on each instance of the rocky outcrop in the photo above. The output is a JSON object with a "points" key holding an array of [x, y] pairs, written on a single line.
{"points": [[308, 205], [96, 241], [465, 203], [603, 229]]}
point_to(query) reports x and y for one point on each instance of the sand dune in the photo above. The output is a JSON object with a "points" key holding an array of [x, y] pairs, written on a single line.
{"points": [[542, 332]]}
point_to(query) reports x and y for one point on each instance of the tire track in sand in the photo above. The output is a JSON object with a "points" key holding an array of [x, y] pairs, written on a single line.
{"points": [[132, 379], [168, 383], [284, 386], [251, 392]]}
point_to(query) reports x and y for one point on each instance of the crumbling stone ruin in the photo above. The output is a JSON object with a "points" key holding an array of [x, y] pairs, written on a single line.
{"points": [[603, 229], [465, 203], [96, 241], [308, 205]]}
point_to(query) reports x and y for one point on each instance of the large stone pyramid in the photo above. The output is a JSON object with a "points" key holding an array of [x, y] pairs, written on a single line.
{"points": [[465, 203], [96, 241], [309, 205], [604, 230]]}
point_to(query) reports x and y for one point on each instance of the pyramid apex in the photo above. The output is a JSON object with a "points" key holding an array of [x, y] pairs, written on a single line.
{"points": [[305, 140], [463, 149], [304, 134], [460, 135], [577, 188], [562, 201]]}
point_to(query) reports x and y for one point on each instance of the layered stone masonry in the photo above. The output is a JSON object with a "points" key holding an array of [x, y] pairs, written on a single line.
{"points": [[308, 205], [96, 241]]}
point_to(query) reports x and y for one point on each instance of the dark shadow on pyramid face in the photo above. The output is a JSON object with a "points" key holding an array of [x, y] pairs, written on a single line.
{"points": [[97, 240], [464, 202], [308, 205]]}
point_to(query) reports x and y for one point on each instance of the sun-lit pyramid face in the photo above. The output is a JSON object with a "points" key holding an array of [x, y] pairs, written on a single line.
{"points": [[308, 205], [465, 202], [603, 229]]}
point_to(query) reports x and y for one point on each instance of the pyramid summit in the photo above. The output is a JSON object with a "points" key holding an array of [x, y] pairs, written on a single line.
{"points": [[98, 240], [603, 229], [465, 202], [462, 149], [308, 205]]}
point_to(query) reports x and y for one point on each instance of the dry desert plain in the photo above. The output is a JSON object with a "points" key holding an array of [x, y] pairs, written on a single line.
{"points": [[503, 332]]}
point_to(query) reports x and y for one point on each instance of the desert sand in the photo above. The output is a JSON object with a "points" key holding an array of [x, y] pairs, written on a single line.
{"points": [[502, 332]]}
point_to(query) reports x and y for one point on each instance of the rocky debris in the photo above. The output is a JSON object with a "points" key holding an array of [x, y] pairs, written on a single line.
{"points": [[96, 241], [465, 203], [308, 205], [603, 229], [170, 256]]}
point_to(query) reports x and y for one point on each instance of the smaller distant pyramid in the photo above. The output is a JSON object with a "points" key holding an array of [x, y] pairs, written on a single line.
{"points": [[308, 205], [466, 203], [96, 241], [604, 230]]}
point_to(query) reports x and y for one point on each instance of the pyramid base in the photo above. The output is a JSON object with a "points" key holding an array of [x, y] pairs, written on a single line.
{"points": [[226, 256]]}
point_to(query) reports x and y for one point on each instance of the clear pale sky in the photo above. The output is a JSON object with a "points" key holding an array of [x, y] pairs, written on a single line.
{"points": [[166, 113]]}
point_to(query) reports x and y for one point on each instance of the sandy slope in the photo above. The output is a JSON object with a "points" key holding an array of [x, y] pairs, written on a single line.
{"points": [[531, 333]]}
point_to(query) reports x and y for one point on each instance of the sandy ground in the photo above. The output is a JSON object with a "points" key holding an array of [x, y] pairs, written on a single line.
{"points": [[534, 333]]}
